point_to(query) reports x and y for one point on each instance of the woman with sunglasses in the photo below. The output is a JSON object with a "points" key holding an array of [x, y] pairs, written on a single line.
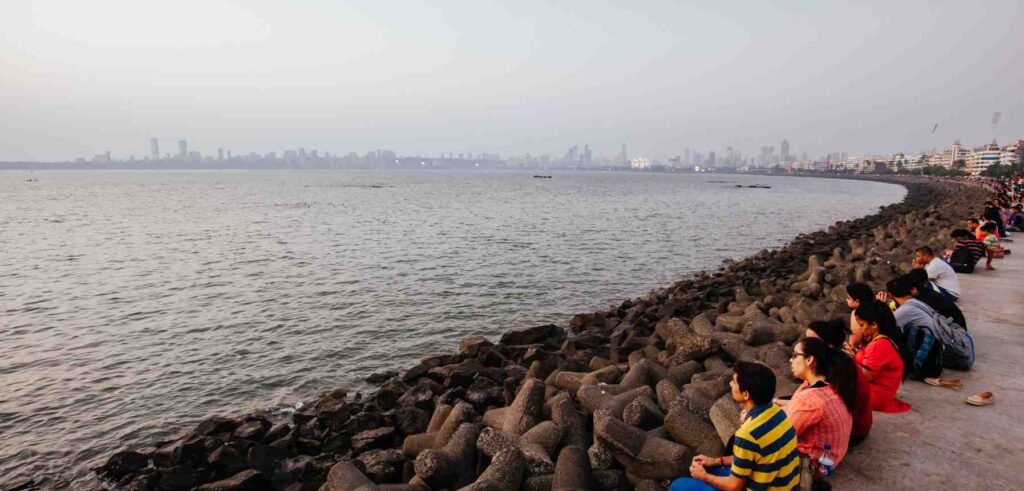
{"points": [[820, 411]]}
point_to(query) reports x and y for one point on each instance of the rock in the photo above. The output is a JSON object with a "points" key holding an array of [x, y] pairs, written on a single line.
{"points": [[471, 346], [226, 461], [383, 465], [505, 472], [253, 431], [178, 478], [411, 420], [122, 464], [379, 438], [216, 424], [381, 377], [533, 335], [247, 480]]}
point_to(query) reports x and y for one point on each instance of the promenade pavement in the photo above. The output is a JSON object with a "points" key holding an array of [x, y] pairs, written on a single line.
{"points": [[944, 443]]}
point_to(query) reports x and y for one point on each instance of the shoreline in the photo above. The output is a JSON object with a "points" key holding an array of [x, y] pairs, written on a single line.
{"points": [[745, 309]]}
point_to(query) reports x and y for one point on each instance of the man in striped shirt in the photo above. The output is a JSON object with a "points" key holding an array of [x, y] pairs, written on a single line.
{"points": [[764, 452]]}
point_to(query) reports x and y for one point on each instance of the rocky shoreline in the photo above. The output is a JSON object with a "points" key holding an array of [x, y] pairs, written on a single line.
{"points": [[617, 399]]}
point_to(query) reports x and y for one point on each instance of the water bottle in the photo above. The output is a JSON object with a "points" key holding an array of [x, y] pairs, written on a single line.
{"points": [[825, 464]]}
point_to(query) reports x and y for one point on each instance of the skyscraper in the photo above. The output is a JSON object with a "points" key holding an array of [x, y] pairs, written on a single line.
{"points": [[220, 154], [154, 149], [785, 151], [182, 149]]}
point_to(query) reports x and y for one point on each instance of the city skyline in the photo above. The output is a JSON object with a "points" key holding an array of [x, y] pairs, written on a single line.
{"points": [[870, 77]]}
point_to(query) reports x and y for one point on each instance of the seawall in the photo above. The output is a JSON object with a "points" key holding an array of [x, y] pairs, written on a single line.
{"points": [[616, 399]]}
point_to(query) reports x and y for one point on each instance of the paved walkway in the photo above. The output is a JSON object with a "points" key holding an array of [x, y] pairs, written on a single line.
{"points": [[944, 443]]}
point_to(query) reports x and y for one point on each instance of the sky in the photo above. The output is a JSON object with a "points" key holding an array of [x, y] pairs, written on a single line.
{"points": [[429, 77]]}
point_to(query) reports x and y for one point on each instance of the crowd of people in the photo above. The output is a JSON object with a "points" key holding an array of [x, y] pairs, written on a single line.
{"points": [[911, 330]]}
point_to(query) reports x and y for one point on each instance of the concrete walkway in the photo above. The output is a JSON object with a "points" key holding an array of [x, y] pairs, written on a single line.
{"points": [[944, 443]]}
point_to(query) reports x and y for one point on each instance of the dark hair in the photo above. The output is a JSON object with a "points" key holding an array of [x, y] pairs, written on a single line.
{"points": [[860, 292], [833, 332], [918, 277], [900, 287], [878, 313], [826, 359], [973, 219], [925, 250], [961, 233], [756, 379], [988, 227]]}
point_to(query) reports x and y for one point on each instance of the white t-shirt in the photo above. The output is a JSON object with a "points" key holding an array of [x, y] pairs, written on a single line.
{"points": [[942, 274]]}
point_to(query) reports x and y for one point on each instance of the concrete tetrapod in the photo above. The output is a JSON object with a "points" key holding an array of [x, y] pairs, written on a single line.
{"points": [[453, 465], [594, 397], [537, 445], [645, 455], [572, 470], [445, 421], [525, 412], [603, 480], [505, 472], [344, 476], [693, 431], [574, 428]]}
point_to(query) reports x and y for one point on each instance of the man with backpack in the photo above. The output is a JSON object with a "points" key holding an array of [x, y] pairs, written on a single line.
{"points": [[921, 349]]}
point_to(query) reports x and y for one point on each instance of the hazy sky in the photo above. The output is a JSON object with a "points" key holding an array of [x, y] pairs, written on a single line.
{"points": [[81, 77]]}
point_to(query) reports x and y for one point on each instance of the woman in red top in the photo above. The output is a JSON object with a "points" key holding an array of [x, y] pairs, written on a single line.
{"points": [[880, 358], [834, 333]]}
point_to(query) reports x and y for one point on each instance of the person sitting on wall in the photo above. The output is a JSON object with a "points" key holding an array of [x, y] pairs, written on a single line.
{"points": [[764, 452], [857, 294], [922, 349], [966, 252], [880, 358], [834, 333], [821, 408], [939, 272], [921, 290]]}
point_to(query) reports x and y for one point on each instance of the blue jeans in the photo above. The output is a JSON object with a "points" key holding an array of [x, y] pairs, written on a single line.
{"points": [[691, 484]]}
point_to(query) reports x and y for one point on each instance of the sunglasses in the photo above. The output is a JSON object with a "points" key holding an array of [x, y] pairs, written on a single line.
{"points": [[796, 355]]}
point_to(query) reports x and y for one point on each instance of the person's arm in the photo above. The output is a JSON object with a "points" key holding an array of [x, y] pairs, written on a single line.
{"points": [[725, 483], [802, 415]]}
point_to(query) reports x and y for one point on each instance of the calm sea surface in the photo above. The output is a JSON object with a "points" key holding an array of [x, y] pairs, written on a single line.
{"points": [[134, 303]]}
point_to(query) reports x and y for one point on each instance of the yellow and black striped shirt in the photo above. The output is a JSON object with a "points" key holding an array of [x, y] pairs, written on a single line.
{"points": [[764, 451]]}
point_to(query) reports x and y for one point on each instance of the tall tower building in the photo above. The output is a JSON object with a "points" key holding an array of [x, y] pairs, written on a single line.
{"points": [[154, 149], [785, 151], [182, 149]]}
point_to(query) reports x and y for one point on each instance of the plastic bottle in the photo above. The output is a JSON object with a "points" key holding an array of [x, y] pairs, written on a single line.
{"points": [[825, 464]]}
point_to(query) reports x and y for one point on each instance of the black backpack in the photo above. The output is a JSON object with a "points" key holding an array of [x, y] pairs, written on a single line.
{"points": [[961, 260], [913, 337]]}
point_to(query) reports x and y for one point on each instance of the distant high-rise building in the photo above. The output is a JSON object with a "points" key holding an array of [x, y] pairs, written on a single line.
{"points": [[784, 152], [587, 157], [623, 157], [154, 149], [182, 149], [711, 159], [220, 154]]}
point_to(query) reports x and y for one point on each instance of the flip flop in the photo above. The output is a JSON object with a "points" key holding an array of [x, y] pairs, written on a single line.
{"points": [[981, 399], [949, 383]]}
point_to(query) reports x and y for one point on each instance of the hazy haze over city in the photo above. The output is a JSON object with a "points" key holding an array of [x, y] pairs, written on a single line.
{"points": [[79, 78]]}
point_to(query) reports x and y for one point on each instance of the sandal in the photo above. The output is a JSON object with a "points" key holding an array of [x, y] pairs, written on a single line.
{"points": [[981, 399], [949, 383]]}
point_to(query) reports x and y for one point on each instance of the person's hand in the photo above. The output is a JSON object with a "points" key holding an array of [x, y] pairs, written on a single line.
{"points": [[697, 471], [702, 460], [883, 297]]}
